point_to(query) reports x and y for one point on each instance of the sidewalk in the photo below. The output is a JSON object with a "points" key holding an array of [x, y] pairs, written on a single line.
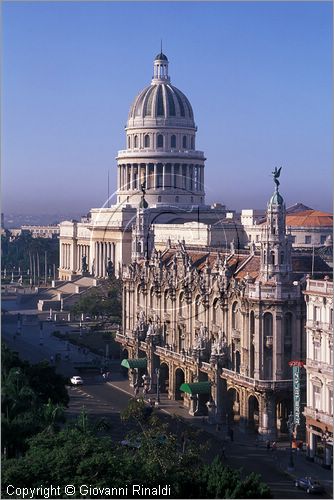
{"points": [[244, 441]]}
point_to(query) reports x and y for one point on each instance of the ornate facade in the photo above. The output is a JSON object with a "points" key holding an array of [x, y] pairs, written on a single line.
{"points": [[319, 370], [234, 319]]}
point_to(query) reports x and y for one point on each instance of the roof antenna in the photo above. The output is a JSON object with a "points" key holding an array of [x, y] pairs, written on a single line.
{"points": [[160, 46]]}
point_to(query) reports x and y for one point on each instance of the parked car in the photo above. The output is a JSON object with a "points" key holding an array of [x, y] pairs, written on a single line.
{"points": [[76, 380], [309, 484]]}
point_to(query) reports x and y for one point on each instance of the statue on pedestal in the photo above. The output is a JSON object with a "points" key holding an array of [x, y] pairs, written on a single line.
{"points": [[84, 266]]}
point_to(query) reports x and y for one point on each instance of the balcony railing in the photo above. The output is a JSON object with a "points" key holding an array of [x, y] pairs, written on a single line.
{"points": [[320, 286], [261, 384], [321, 366], [319, 326], [321, 416], [236, 334], [269, 341]]}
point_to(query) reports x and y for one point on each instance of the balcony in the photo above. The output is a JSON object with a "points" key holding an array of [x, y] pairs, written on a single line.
{"points": [[318, 415], [319, 326], [320, 286], [256, 383], [236, 335], [319, 366]]}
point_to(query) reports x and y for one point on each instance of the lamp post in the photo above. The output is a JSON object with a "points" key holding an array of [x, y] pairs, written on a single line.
{"points": [[157, 371], [290, 427]]}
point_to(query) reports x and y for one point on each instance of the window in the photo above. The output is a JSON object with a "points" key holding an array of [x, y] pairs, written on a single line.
{"points": [[293, 239], [147, 141], [272, 258], [316, 397], [316, 313], [160, 141], [331, 316], [234, 315], [193, 143], [252, 323], [184, 142], [316, 352], [331, 355], [176, 199], [159, 199], [257, 238], [268, 325], [323, 239], [136, 141], [192, 199], [307, 240], [330, 401], [173, 141], [129, 143]]}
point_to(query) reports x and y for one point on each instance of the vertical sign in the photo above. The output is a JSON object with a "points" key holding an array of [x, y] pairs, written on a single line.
{"points": [[296, 365]]}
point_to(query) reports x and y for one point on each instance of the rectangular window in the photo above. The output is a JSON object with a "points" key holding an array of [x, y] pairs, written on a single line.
{"points": [[293, 239], [257, 238], [331, 316], [322, 239], [307, 239], [330, 401], [331, 357], [316, 314], [316, 356], [316, 397]]}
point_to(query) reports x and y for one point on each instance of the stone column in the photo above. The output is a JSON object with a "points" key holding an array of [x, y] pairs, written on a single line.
{"points": [[257, 345], [267, 427], [131, 177], [146, 175], [155, 176], [163, 176]]}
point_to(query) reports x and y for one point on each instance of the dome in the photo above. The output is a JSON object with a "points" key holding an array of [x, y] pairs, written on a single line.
{"points": [[161, 57], [276, 199], [161, 100]]}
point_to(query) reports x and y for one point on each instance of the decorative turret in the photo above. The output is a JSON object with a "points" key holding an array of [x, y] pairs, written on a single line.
{"points": [[142, 233], [275, 243]]}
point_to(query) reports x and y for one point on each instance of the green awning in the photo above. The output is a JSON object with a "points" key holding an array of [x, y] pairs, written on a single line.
{"points": [[134, 363], [196, 388]]}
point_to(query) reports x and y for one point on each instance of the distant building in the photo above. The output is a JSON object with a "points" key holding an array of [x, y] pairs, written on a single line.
{"points": [[308, 228], [49, 231], [319, 370]]}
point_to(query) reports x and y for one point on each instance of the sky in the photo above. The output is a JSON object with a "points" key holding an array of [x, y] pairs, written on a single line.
{"points": [[258, 76]]}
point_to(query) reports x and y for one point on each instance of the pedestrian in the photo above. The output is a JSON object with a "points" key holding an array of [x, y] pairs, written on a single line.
{"points": [[222, 453], [274, 446], [268, 445], [136, 390], [104, 375], [218, 427], [231, 433]]}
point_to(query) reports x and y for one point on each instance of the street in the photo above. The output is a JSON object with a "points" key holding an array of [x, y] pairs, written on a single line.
{"points": [[102, 399]]}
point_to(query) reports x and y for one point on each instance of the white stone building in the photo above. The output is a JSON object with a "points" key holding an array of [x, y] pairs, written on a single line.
{"points": [[161, 156], [319, 370]]}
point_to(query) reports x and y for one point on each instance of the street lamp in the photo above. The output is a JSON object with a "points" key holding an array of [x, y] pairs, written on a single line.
{"points": [[157, 371], [290, 427]]}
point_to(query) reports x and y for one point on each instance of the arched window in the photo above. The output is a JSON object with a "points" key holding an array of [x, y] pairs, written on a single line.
{"points": [[272, 258], [197, 303], [136, 141], [268, 324], [184, 142], [214, 311], [160, 141], [282, 258], [252, 323], [147, 141], [193, 143], [173, 141], [234, 315]]}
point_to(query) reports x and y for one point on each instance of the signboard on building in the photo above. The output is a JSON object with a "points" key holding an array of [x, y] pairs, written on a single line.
{"points": [[296, 366]]}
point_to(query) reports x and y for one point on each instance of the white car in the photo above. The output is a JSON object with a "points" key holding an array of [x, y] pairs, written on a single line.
{"points": [[76, 380]]}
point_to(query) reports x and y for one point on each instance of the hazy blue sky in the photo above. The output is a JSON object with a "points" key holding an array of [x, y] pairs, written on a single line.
{"points": [[258, 76]]}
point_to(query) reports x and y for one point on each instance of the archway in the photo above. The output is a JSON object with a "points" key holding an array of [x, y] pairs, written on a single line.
{"points": [[179, 380], [253, 413], [233, 406], [283, 408], [164, 377]]}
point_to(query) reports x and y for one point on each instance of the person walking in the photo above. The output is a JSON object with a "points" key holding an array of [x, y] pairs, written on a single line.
{"points": [[231, 433]]}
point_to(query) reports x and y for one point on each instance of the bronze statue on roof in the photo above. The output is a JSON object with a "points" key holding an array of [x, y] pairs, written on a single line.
{"points": [[276, 173]]}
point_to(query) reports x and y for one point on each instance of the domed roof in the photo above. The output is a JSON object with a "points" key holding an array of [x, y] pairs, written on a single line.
{"points": [[161, 100], [161, 57], [276, 199]]}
